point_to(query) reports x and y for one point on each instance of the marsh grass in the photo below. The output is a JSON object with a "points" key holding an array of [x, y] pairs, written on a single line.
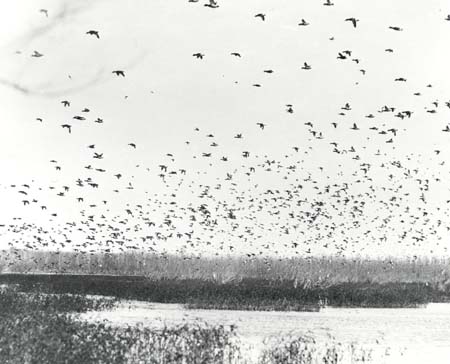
{"points": [[294, 349], [323, 271], [13, 301], [235, 283], [247, 294], [34, 330]]}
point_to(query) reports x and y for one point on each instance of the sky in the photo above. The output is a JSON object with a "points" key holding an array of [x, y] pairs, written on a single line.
{"points": [[380, 190]]}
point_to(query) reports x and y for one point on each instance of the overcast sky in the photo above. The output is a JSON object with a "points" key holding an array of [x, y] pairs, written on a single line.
{"points": [[167, 93]]}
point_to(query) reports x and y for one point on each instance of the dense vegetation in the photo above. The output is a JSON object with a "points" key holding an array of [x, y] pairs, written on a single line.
{"points": [[314, 270], [250, 293], [40, 329], [35, 329], [234, 283]]}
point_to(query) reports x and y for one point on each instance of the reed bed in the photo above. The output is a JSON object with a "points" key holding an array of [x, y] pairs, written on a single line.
{"points": [[38, 330], [32, 332], [313, 270], [247, 294], [294, 349], [233, 283]]}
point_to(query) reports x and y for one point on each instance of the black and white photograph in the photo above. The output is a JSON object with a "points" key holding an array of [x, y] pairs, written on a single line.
{"points": [[224, 182]]}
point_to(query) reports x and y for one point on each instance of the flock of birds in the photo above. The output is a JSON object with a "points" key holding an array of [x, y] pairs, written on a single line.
{"points": [[254, 204]]}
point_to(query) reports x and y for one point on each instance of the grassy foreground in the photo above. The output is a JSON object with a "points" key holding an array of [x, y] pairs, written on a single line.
{"points": [[41, 329], [36, 328]]}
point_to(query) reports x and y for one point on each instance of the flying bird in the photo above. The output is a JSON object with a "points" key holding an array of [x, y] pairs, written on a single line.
{"points": [[198, 55], [44, 11], [212, 4], [354, 21], [262, 16], [36, 54], [67, 126], [93, 32], [119, 73], [303, 23], [65, 103], [306, 66]]}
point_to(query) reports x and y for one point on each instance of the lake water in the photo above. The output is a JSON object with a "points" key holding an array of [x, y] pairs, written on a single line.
{"points": [[413, 335]]}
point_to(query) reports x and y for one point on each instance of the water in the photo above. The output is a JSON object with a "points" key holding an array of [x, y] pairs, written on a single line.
{"points": [[412, 335]]}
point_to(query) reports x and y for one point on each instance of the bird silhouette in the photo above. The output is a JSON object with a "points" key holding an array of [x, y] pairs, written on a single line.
{"points": [[198, 55], [261, 16], [36, 54], [354, 21], [306, 66], [303, 23], [212, 4], [67, 126], [119, 73], [93, 32]]}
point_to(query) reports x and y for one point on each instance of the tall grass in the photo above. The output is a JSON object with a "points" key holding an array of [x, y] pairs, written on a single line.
{"points": [[309, 271], [32, 333], [35, 333], [292, 349], [247, 294], [235, 283]]}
